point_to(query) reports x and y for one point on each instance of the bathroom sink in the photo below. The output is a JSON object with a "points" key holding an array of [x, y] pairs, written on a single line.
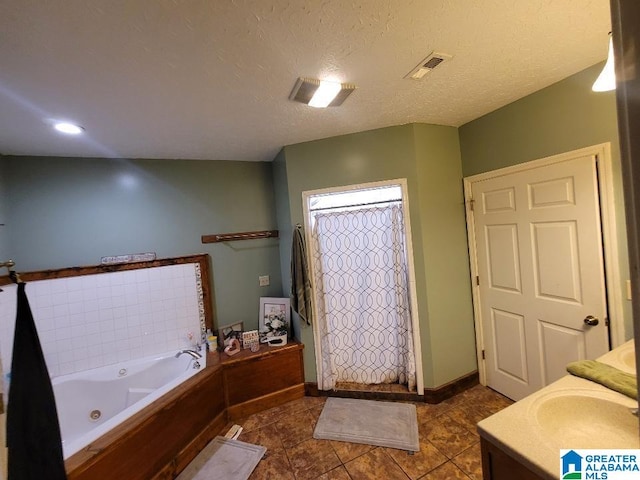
{"points": [[586, 419], [623, 357], [628, 359]]}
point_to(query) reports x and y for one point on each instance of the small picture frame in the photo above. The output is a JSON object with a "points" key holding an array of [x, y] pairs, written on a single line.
{"points": [[229, 332], [275, 318], [250, 340]]}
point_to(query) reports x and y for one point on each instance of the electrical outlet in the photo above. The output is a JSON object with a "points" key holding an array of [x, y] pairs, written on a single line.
{"points": [[264, 280]]}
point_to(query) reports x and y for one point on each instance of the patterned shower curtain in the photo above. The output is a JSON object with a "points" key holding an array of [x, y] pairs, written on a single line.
{"points": [[364, 316]]}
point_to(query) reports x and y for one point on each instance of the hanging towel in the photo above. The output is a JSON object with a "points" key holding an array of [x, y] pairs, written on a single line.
{"points": [[300, 282], [33, 432], [606, 375]]}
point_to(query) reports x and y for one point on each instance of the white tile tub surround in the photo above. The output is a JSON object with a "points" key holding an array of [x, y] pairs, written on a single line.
{"points": [[94, 320]]}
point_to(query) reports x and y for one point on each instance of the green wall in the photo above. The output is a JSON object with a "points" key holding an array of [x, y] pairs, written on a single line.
{"points": [[562, 117], [285, 227], [446, 259], [401, 152], [72, 211]]}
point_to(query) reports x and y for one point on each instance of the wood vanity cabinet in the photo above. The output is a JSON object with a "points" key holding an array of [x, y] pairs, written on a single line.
{"points": [[498, 465]]}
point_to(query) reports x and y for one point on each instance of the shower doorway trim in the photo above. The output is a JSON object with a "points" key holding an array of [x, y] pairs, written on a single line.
{"points": [[415, 323]]}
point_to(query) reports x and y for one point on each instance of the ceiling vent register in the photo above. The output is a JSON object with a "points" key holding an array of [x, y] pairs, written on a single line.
{"points": [[425, 66]]}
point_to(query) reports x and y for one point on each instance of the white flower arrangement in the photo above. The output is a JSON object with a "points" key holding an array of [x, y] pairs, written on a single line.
{"points": [[274, 320], [275, 324]]}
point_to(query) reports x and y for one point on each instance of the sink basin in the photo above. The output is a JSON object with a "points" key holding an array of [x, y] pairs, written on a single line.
{"points": [[628, 359], [622, 357], [579, 419]]}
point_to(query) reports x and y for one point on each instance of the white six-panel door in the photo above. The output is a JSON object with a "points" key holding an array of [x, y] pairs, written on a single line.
{"points": [[541, 276]]}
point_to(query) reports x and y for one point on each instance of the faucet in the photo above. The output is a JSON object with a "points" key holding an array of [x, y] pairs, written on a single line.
{"points": [[193, 353]]}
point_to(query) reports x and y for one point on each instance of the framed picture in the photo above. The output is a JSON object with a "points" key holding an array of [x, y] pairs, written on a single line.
{"points": [[251, 340], [275, 317], [225, 334]]}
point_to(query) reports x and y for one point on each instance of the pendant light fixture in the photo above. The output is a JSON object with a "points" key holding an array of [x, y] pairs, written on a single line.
{"points": [[606, 81]]}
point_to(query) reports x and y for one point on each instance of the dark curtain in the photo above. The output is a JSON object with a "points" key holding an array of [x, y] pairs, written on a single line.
{"points": [[33, 432]]}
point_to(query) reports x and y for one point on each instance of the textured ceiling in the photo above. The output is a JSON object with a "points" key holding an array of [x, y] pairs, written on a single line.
{"points": [[210, 79]]}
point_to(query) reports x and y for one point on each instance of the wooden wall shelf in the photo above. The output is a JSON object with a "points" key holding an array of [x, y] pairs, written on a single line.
{"points": [[232, 237]]}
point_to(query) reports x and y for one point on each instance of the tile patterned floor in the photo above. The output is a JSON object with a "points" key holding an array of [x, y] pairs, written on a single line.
{"points": [[449, 444]]}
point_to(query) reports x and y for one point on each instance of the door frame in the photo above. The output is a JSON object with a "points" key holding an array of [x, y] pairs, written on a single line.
{"points": [[415, 321], [609, 231]]}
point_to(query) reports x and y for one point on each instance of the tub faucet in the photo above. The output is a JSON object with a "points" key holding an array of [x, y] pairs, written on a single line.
{"points": [[193, 353]]}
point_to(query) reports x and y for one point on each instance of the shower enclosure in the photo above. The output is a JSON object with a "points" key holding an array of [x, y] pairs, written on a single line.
{"points": [[366, 328]]}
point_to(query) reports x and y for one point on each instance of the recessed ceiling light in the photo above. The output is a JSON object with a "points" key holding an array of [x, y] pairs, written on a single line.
{"points": [[320, 93], [68, 128]]}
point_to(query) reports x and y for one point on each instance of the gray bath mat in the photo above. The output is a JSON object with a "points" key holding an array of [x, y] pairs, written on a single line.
{"points": [[228, 459], [384, 424]]}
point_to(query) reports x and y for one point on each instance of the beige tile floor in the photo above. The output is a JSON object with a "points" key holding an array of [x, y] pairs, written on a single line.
{"points": [[449, 443]]}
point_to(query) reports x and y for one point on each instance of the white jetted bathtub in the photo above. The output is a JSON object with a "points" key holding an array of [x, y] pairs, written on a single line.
{"points": [[92, 402]]}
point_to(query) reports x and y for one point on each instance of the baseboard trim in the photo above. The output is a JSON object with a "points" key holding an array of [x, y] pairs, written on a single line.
{"points": [[431, 395], [448, 390], [311, 390]]}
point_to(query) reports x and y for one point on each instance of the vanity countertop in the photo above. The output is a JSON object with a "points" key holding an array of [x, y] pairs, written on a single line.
{"points": [[571, 413]]}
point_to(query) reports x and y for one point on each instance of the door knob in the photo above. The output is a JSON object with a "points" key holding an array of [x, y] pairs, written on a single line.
{"points": [[591, 320]]}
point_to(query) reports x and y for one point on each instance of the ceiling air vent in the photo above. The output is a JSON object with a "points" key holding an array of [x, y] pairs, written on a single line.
{"points": [[425, 66]]}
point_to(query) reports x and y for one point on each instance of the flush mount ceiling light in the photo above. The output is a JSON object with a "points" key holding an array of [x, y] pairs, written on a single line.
{"points": [[320, 93], [68, 128], [606, 81]]}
